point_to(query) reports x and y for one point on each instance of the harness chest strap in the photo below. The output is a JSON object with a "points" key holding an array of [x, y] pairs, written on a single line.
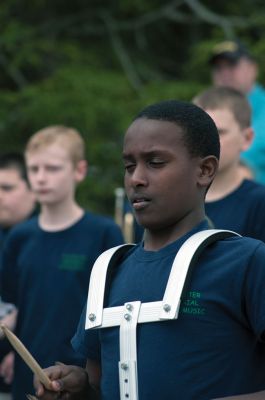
{"points": [[132, 313]]}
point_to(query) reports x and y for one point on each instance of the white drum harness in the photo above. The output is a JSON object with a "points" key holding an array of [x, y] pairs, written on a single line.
{"points": [[132, 313]]}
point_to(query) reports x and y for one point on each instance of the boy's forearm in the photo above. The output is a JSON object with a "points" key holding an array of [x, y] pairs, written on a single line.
{"points": [[93, 370], [90, 385], [84, 393], [89, 393]]}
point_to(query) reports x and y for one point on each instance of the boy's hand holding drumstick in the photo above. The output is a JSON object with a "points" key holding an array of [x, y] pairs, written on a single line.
{"points": [[60, 379]]}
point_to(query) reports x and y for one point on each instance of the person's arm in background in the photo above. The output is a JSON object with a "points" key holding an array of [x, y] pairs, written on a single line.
{"points": [[7, 368], [9, 319], [8, 308]]}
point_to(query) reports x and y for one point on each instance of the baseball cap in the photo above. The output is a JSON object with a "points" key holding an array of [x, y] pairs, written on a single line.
{"points": [[229, 50]]}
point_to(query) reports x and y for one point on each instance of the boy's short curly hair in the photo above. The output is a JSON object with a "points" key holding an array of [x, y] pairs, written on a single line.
{"points": [[199, 131]]}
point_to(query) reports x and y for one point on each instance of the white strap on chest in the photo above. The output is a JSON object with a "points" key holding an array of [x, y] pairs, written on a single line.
{"points": [[130, 314]]}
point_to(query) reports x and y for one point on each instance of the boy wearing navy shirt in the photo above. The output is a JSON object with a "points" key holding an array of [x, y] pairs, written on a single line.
{"points": [[233, 201], [17, 203], [47, 260], [216, 346]]}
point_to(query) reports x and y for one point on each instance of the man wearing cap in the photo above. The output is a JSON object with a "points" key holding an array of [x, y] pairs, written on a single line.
{"points": [[233, 66]]}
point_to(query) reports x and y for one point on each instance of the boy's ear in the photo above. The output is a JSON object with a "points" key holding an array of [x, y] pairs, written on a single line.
{"points": [[248, 135], [81, 170], [207, 170]]}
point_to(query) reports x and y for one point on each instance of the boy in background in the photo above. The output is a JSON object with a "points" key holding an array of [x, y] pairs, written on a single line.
{"points": [[214, 348], [234, 66], [47, 260], [17, 203], [233, 202]]}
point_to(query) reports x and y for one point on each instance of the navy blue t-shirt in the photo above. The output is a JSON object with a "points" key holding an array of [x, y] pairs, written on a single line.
{"points": [[242, 211], [214, 349], [46, 275], [4, 344]]}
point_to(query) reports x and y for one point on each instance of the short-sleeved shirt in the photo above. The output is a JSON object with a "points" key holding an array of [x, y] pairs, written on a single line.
{"points": [[46, 275], [243, 210], [214, 349]]}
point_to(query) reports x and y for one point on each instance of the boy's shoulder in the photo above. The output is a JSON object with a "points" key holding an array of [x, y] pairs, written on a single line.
{"points": [[251, 191], [95, 231], [242, 248], [88, 222], [20, 233], [252, 185], [93, 216], [97, 221], [26, 226], [100, 227], [94, 219], [230, 253]]}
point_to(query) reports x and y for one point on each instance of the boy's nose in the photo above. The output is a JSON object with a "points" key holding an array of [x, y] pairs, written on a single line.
{"points": [[138, 177], [41, 174], [2, 194]]}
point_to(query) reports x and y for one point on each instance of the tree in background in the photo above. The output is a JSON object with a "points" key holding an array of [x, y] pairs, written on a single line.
{"points": [[93, 65]]}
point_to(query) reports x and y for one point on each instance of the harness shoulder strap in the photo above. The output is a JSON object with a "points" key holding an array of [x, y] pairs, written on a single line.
{"points": [[97, 283], [185, 259]]}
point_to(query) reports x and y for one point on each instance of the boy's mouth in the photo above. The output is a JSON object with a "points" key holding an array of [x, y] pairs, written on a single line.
{"points": [[43, 191], [138, 203]]}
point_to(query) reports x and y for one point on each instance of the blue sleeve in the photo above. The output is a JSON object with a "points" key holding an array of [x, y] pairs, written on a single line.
{"points": [[9, 277], [113, 236], [86, 342], [254, 292], [256, 218]]}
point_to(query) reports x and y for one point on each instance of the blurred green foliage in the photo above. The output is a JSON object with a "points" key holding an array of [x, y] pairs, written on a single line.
{"points": [[94, 65]]}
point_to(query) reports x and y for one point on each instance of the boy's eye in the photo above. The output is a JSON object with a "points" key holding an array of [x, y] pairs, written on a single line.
{"points": [[129, 167], [32, 169], [53, 168], [156, 163], [7, 188], [49, 168]]}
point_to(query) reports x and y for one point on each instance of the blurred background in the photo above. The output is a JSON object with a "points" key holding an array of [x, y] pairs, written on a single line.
{"points": [[93, 64]]}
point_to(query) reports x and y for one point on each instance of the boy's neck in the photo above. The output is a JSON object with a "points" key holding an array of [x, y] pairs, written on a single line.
{"points": [[155, 240], [59, 217], [224, 183]]}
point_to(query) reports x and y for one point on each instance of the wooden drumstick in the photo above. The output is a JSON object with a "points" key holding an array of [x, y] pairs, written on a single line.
{"points": [[27, 357]]}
